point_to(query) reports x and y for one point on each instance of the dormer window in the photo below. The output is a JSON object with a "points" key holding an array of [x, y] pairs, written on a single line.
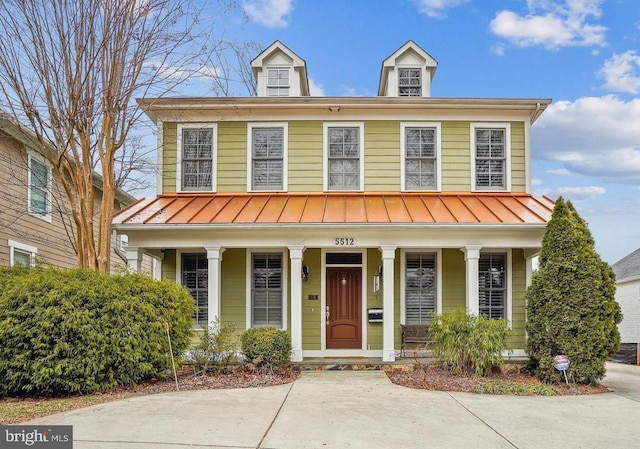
{"points": [[278, 82], [409, 82]]}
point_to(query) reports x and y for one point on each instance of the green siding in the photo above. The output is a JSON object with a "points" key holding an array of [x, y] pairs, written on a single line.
{"points": [[233, 289], [374, 299], [453, 280], [456, 156], [518, 157], [382, 156], [232, 157], [305, 156], [518, 287], [311, 308], [169, 161], [169, 265]]}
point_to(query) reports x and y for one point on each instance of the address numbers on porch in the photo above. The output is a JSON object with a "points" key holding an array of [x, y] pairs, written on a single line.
{"points": [[344, 241]]}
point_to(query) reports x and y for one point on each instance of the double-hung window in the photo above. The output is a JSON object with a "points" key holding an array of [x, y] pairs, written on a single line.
{"points": [[492, 285], [195, 277], [410, 82], [278, 82], [420, 152], [197, 154], [491, 148], [21, 254], [266, 290], [420, 288], [343, 148], [39, 190], [267, 152]]}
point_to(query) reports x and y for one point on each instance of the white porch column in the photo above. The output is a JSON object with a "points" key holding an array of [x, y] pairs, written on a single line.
{"points": [[295, 255], [388, 288], [214, 258], [471, 256], [134, 258]]}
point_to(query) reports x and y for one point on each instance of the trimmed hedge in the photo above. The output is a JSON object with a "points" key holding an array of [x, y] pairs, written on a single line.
{"points": [[267, 346], [79, 331]]}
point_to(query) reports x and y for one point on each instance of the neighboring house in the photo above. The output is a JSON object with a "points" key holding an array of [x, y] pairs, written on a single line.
{"points": [[338, 218], [627, 272], [35, 224]]}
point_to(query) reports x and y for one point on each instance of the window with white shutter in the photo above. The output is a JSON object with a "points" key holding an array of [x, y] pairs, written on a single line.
{"points": [[420, 288]]}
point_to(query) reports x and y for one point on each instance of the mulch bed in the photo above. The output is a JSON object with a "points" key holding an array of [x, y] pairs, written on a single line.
{"points": [[435, 377]]}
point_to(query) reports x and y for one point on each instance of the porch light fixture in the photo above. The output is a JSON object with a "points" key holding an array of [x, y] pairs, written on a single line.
{"points": [[344, 280], [304, 273]]}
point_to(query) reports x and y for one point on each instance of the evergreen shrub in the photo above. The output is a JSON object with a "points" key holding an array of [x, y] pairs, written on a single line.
{"points": [[216, 350], [79, 331], [469, 344], [267, 347]]}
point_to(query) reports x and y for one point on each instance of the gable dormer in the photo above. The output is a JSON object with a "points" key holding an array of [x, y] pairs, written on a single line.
{"points": [[280, 72], [407, 72]]}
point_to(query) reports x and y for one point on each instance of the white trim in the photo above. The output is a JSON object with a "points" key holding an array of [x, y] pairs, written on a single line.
{"points": [[285, 154], [527, 157], [507, 169], [284, 252], [403, 127], [323, 299], [32, 155], [343, 353], [214, 155], [21, 247], [325, 153], [403, 278]]}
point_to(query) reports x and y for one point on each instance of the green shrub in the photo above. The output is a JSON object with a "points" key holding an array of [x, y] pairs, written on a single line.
{"points": [[267, 347], [216, 350], [80, 331], [515, 389], [571, 307], [469, 344]]}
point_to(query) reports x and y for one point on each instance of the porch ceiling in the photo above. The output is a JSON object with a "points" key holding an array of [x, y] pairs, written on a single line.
{"points": [[336, 208]]}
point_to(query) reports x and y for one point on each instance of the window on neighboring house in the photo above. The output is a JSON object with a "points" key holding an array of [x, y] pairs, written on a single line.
{"points": [[420, 288], [420, 158], [278, 82], [39, 188], [410, 82], [195, 277], [266, 289], [267, 158], [491, 158], [344, 158], [21, 254], [492, 284], [197, 158]]}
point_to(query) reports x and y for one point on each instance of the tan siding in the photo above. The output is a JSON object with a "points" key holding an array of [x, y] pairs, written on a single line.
{"points": [[517, 340], [518, 157], [382, 156], [305, 156], [232, 157], [169, 161], [453, 280], [311, 308]]}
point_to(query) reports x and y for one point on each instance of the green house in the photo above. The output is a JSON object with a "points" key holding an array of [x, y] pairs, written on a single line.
{"points": [[340, 218]]}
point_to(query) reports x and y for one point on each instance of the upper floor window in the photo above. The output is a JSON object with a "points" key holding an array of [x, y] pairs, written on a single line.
{"points": [[420, 150], [266, 290], [278, 82], [343, 149], [491, 147], [420, 288], [267, 151], [492, 285], [39, 191], [410, 82], [196, 157]]}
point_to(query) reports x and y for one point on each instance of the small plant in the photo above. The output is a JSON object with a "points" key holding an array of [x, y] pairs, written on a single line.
{"points": [[267, 347], [469, 344], [511, 388], [216, 350]]}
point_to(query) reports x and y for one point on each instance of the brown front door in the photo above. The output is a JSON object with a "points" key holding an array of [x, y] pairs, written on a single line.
{"points": [[344, 308]]}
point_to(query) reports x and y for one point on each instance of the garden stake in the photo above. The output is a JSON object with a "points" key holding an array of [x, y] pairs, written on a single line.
{"points": [[173, 362]]}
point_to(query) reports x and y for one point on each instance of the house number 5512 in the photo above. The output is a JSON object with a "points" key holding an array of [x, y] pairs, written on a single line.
{"points": [[344, 241]]}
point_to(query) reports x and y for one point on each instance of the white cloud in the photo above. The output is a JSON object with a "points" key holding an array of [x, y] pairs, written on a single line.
{"points": [[581, 193], [597, 137], [552, 24], [536, 182], [622, 72], [437, 8], [315, 89], [182, 73], [270, 13], [559, 172]]}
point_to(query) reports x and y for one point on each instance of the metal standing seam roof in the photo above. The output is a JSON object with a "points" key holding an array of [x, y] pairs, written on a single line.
{"points": [[336, 208]]}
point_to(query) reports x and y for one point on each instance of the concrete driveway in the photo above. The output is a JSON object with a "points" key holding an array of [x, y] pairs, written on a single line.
{"points": [[356, 409]]}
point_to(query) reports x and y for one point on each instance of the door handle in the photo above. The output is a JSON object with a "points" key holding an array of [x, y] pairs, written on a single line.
{"points": [[327, 314]]}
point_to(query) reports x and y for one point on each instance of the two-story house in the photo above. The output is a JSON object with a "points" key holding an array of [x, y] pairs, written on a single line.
{"points": [[35, 223], [338, 218]]}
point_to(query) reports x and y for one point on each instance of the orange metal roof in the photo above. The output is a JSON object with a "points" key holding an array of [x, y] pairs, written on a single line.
{"points": [[337, 208]]}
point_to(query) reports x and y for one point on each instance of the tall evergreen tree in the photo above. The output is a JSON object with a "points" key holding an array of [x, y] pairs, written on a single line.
{"points": [[571, 307]]}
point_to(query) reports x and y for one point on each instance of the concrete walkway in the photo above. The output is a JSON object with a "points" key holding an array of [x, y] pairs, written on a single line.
{"points": [[356, 409]]}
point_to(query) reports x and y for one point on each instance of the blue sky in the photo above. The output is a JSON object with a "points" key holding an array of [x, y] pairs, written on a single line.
{"points": [[583, 54]]}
